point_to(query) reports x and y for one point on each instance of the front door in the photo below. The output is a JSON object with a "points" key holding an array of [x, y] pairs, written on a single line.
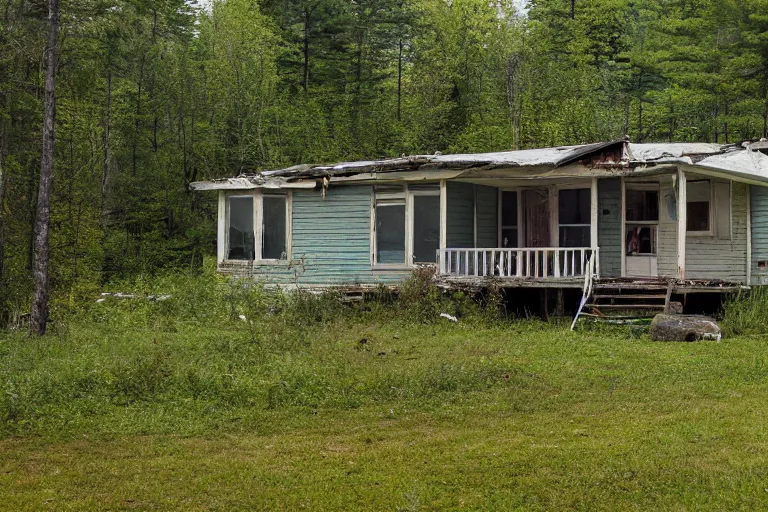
{"points": [[536, 217], [642, 221]]}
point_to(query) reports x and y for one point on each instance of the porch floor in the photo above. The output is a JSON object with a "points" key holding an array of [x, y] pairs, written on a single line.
{"points": [[629, 283]]}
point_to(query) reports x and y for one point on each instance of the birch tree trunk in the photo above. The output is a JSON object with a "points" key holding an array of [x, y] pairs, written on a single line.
{"points": [[39, 318]]}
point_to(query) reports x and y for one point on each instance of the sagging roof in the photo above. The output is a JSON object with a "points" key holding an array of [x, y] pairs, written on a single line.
{"points": [[744, 162]]}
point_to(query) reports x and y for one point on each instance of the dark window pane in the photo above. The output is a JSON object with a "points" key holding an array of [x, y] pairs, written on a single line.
{"points": [[509, 208], [509, 237], [390, 233], [426, 228], [574, 206], [575, 236], [698, 216], [241, 239], [641, 240], [642, 205], [274, 229]]}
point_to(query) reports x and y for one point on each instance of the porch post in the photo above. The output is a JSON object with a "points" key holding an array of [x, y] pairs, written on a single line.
{"points": [[749, 231], [682, 221], [593, 224], [554, 214], [221, 228], [443, 215]]}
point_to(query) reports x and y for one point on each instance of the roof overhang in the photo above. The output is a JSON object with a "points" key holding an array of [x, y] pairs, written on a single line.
{"points": [[616, 158]]}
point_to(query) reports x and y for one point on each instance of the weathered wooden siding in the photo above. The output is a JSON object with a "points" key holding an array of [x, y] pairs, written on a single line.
{"points": [[759, 207], [666, 248], [721, 258], [331, 242], [487, 216], [609, 226], [461, 215]]}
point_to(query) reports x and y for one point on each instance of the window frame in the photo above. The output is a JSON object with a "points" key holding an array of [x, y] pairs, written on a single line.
{"points": [[288, 224], [258, 216], [227, 215], [579, 186], [710, 211], [500, 209], [394, 198]]}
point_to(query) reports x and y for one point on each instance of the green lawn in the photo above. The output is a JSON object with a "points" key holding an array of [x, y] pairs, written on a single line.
{"points": [[378, 413]]}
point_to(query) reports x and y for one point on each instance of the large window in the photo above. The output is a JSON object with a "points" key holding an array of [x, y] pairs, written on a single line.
{"points": [[240, 228], [257, 227], [575, 217], [407, 224], [509, 211], [274, 228], [642, 220], [426, 227]]}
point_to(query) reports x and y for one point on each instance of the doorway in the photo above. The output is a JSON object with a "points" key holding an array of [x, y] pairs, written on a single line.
{"points": [[536, 217], [641, 223]]}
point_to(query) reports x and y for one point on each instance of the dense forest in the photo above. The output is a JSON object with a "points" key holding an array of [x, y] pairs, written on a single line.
{"points": [[154, 94]]}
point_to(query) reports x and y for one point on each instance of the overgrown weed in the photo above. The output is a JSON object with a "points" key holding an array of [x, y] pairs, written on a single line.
{"points": [[235, 346], [746, 313]]}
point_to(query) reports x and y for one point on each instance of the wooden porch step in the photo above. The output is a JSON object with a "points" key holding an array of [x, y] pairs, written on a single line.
{"points": [[632, 287], [661, 296], [626, 306]]}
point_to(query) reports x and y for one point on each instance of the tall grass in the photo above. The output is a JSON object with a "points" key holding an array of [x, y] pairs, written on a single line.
{"points": [[746, 313], [187, 343]]}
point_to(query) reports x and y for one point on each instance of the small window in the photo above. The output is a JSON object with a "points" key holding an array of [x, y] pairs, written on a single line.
{"points": [[641, 240], [642, 205], [509, 219], [575, 217], [698, 207], [274, 228], [240, 228]]}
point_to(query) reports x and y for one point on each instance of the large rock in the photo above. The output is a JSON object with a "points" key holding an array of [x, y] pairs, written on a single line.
{"points": [[684, 328]]}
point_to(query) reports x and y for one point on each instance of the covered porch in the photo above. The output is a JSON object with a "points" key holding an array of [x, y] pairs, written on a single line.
{"points": [[542, 232]]}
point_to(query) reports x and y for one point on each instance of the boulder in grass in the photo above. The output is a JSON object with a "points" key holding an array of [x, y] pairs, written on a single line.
{"points": [[684, 328]]}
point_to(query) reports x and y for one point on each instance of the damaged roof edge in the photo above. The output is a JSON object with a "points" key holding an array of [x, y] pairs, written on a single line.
{"points": [[740, 162]]}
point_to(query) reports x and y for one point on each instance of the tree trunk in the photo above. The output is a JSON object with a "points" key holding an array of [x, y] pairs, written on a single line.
{"points": [[399, 78], [137, 122], [39, 317], [106, 158], [307, 20], [3, 181]]}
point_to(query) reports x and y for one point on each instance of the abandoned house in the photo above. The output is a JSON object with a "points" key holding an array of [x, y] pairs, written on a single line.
{"points": [[676, 218]]}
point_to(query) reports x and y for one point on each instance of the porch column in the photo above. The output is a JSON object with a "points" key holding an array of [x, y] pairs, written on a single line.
{"points": [[593, 234], [443, 215], [554, 214], [221, 228], [749, 231], [682, 221]]}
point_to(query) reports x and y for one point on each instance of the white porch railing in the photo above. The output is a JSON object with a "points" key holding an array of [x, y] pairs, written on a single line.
{"points": [[527, 263]]}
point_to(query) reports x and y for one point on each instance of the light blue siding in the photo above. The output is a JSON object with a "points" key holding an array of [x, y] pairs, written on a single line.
{"points": [[721, 258], [759, 207], [461, 215], [487, 213], [331, 242], [609, 226]]}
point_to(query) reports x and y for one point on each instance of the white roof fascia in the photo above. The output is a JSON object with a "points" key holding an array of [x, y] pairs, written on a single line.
{"points": [[247, 184]]}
